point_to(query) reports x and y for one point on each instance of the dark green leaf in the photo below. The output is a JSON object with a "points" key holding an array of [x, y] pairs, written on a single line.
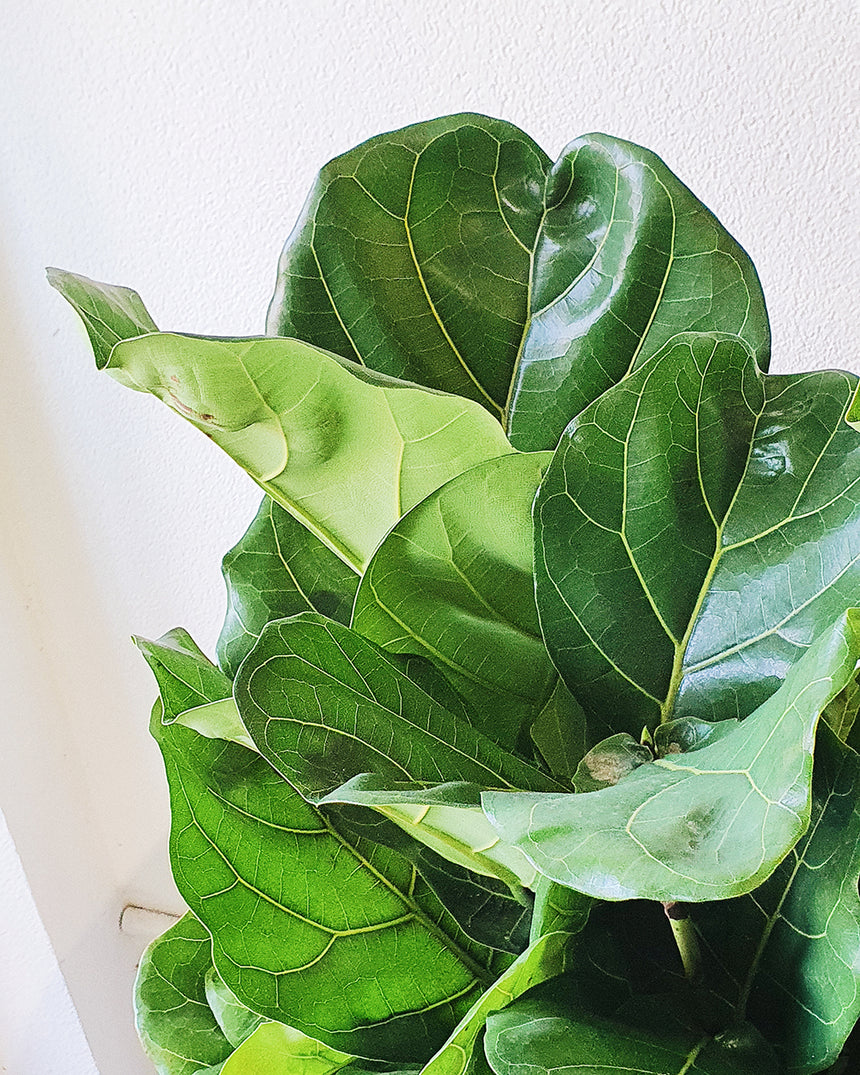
{"points": [[561, 732], [452, 254], [186, 678], [109, 313], [789, 953], [841, 713], [177, 1028], [626, 259], [413, 255], [698, 526], [485, 908], [454, 582], [546, 1032], [708, 824], [323, 704], [279, 568]]}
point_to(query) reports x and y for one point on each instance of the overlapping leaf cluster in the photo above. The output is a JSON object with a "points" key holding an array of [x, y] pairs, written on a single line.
{"points": [[513, 756]]}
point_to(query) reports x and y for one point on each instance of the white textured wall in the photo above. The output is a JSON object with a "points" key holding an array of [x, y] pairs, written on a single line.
{"points": [[169, 146]]}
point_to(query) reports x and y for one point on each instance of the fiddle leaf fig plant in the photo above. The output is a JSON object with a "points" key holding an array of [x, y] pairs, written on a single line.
{"points": [[531, 742]]}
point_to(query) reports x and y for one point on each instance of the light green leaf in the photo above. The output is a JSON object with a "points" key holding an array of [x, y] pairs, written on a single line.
{"points": [[186, 678], [789, 953], [558, 908], [177, 1028], [345, 450], [841, 713], [454, 582], [448, 819], [698, 526], [413, 255], [278, 569], [236, 1021], [109, 313], [275, 1049], [708, 824], [489, 911], [340, 939], [544, 959], [323, 704], [547, 1032]]}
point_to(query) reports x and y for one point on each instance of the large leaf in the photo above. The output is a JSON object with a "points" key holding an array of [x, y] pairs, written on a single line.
{"points": [[109, 313], [323, 704], [698, 526], [626, 259], [278, 568], [546, 958], [451, 253], [413, 255], [454, 582], [702, 825], [790, 951], [345, 450], [177, 1028], [546, 1032], [339, 939]]}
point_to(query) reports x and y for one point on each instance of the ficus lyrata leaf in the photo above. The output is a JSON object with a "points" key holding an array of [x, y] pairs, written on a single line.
{"points": [[707, 824], [453, 253], [298, 914], [787, 956], [324, 704], [698, 526], [176, 1025], [345, 450], [454, 582], [278, 569]]}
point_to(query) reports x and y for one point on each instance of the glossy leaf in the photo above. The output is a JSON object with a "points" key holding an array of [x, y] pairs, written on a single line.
{"points": [[544, 959], [842, 712], [609, 762], [698, 526], [451, 253], [454, 582], [789, 952], [323, 704], [561, 732], [109, 313], [278, 569], [626, 259], [545, 1032], [708, 824], [345, 450], [308, 928], [177, 1028], [413, 255]]}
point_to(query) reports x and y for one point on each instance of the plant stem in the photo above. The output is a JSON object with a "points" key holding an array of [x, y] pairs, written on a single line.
{"points": [[686, 939]]}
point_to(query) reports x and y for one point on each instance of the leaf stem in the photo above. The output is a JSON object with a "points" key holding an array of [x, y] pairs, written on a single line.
{"points": [[686, 939]]}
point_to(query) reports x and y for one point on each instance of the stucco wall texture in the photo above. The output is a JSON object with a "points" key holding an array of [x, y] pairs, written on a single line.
{"points": [[168, 145]]}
